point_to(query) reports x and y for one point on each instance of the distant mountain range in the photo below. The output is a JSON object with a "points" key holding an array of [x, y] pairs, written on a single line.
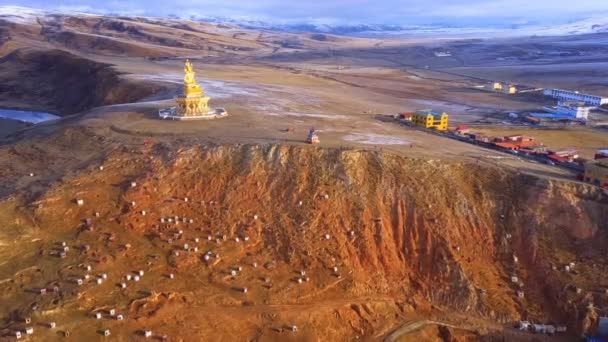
{"points": [[596, 24], [338, 29]]}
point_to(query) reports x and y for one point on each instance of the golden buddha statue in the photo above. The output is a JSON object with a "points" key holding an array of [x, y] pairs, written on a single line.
{"points": [[193, 102], [191, 88]]}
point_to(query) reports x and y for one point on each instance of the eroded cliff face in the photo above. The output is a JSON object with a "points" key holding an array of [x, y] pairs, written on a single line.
{"points": [[407, 237], [438, 234], [564, 223]]}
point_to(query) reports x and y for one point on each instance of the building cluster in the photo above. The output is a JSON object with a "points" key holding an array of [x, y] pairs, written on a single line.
{"points": [[565, 111], [596, 171], [573, 109], [426, 118], [521, 144], [503, 88], [499, 87], [517, 142]]}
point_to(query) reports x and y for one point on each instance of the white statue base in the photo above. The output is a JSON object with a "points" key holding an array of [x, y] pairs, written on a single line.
{"points": [[171, 114]]}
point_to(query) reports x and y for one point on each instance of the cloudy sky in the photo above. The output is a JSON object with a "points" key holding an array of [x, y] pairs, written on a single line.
{"points": [[458, 12]]}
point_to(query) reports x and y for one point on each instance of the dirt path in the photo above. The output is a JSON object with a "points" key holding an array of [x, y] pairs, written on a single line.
{"points": [[417, 325]]}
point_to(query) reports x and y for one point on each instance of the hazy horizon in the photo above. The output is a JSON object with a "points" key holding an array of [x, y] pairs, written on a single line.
{"points": [[475, 13]]}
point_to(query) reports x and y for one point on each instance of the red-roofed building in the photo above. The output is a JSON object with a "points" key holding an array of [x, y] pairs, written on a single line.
{"points": [[462, 129], [406, 116], [558, 159], [515, 142], [479, 137], [567, 155], [536, 149], [507, 146]]}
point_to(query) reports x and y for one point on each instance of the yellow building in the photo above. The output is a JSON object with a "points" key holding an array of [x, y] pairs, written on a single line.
{"points": [[512, 90], [497, 86], [428, 119], [596, 172]]}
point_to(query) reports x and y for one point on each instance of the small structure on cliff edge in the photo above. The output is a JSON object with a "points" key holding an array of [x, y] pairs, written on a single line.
{"points": [[193, 104], [312, 138]]}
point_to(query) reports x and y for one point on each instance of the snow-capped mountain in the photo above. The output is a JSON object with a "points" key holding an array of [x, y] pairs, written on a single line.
{"points": [[596, 24], [312, 27]]}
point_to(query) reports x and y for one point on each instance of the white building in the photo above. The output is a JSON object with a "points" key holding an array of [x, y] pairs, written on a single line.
{"points": [[567, 95], [442, 54], [575, 109]]}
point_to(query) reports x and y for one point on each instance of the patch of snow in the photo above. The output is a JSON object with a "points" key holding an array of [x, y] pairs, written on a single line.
{"points": [[222, 89], [375, 139], [442, 106], [26, 15], [269, 108], [310, 115], [597, 24], [27, 116], [21, 15], [213, 88], [169, 78]]}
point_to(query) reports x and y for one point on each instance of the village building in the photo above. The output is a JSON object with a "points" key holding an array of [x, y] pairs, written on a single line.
{"points": [[515, 142], [405, 116], [428, 118], [480, 137], [511, 89], [462, 130], [563, 156], [503, 88], [577, 110]]}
